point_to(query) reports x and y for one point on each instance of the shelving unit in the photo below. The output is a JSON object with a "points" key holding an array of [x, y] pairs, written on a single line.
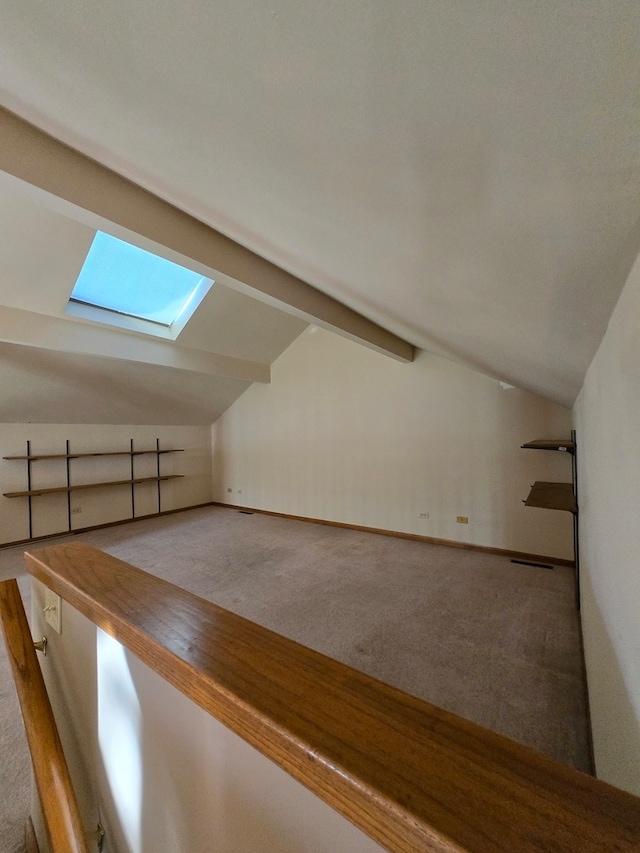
{"points": [[560, 496], [69, 487]]}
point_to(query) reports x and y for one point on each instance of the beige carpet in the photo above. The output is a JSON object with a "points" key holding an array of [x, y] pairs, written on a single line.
{"points": [[15, 768], [492, 641]]}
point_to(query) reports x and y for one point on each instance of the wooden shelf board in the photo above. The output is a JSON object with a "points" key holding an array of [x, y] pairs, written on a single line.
{"points": [[551, 444], [135, 481], [33, 457], [552, 496]]}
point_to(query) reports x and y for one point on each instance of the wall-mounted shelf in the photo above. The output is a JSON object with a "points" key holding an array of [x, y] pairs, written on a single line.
{"points": [[562, 496], [134, 482], [35, 456], [560, 445], [552, 496], [69, 487]]}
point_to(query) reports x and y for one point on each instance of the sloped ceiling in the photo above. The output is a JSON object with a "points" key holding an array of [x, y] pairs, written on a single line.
{"points": [[40, 386], [41, 254], [465, 175]]}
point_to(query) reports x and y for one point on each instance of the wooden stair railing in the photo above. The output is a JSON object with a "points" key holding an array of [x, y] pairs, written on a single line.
{"points": [[57, 798], [410, 775]]}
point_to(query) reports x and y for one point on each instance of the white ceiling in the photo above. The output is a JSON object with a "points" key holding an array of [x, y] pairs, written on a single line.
{"points": [[464, 174], [41, 254], [42, 386]]}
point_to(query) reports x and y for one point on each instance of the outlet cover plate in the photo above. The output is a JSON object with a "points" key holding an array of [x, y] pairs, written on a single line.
{"points": [[53, 610]]}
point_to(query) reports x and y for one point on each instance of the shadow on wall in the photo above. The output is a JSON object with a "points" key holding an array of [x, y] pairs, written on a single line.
{"points": [[613, 717], [219, 471], [518, 417]]}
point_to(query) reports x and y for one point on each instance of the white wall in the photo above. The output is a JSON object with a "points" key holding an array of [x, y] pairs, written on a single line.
{"points": [[346, 434], [98, 506], [607, 417], [161, 774]]}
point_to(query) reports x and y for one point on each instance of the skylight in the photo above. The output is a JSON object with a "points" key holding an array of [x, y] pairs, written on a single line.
{"points": [[126, 284]]}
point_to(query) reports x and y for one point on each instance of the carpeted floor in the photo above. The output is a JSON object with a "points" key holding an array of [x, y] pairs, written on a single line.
{"points": [[492, 641], [15, 768]]}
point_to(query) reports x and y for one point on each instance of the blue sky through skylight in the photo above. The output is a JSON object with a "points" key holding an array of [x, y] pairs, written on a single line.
{"points": [[121, 277]]}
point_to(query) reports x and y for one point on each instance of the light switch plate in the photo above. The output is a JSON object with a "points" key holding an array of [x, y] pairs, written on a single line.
{"points": [[53, 610]]}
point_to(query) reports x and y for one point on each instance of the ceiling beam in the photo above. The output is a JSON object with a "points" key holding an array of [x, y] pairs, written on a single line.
{"points": [[54, 333], [41, 161]]}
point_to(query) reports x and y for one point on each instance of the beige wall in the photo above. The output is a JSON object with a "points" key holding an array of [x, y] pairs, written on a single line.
{"points": [[345, 434], [98, 506], [607, 416]]}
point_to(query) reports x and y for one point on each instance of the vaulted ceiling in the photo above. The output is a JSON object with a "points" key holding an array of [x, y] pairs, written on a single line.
{"points": [[463, 175]]}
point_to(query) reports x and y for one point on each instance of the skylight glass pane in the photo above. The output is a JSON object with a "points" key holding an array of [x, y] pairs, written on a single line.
{"points": [[120, 277]]}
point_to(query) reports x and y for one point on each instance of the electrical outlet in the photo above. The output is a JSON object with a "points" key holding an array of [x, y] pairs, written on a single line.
{"points": [[52, 610], [229, 491], [424, 515], [462, 519], [239, 491], [76, 510]]}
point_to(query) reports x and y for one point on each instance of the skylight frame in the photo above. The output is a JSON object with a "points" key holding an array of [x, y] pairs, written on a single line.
{"points": [[129, 314], [129, 321]]}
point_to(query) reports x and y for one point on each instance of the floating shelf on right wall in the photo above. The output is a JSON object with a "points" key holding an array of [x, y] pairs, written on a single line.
{"points": [[562, 496], [552, 496], [551, 444]]}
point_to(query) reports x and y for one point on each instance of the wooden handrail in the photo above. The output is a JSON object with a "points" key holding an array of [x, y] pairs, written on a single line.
{"points": [[59, 806], [411, 776]]}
